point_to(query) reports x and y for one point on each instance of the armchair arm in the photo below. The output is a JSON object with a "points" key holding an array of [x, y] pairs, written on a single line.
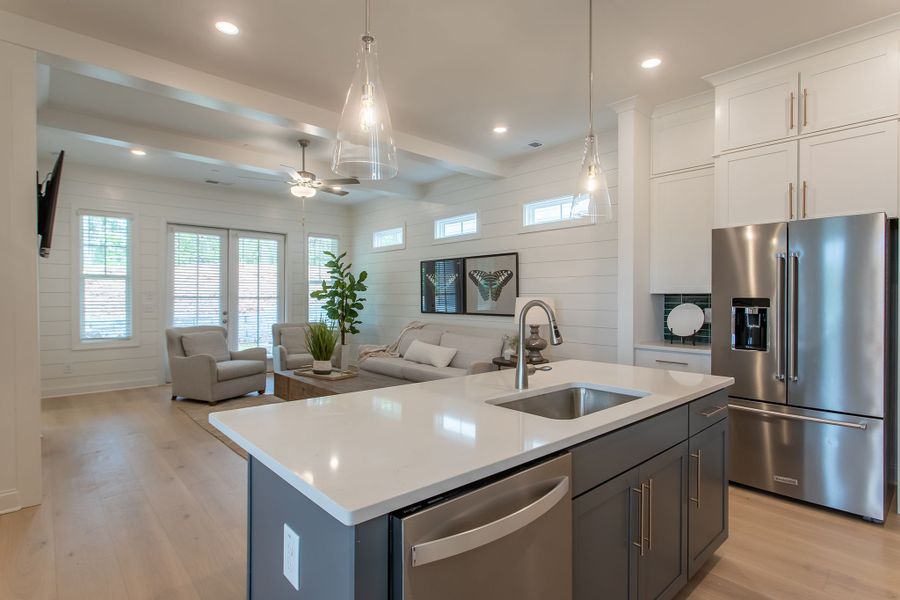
{"points": [[250, 354], [193, 376], [279, 358], [480, 367]]}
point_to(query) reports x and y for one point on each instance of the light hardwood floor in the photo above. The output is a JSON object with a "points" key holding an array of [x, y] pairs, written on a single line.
{"points": [[140, 503]]}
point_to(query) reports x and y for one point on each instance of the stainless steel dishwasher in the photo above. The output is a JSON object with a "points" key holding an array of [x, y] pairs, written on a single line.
{"points": [[510, 539]]}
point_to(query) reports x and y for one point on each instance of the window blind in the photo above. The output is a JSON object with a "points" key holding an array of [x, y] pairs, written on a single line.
{"points": [[105, 278], [197, 278], [318, 272], [259, 285]]}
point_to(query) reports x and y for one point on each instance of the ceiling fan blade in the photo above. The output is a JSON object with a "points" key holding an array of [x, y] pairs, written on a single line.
{"points": [[328, 190], [345, 181], [259, 178], [293, 172]]}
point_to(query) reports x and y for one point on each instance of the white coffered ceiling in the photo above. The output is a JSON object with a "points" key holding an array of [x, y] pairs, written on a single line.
{"points": [[452, 70]]}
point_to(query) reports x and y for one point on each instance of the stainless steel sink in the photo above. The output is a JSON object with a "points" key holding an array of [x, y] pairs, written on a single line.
{"points": [[569, 403]]}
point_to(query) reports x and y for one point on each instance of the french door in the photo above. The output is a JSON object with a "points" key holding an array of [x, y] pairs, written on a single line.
{"points": [[227, 277]]}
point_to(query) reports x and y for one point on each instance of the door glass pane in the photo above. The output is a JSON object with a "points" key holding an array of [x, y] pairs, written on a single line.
{"points": [[259, 286], [318, 272], [196, 278]]}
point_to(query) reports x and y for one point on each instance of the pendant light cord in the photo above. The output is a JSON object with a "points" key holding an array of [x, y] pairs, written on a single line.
{"points": [[368, 33], [590, 65]]}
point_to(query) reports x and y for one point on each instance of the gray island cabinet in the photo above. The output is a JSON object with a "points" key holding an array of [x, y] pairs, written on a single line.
{"points": [[649, 507]]}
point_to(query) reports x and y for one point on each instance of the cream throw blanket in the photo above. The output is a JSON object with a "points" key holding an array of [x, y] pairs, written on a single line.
{"points": [[392, 350]]}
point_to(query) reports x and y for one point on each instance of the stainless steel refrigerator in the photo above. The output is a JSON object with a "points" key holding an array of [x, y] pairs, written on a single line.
{"points": [[803, 317]]}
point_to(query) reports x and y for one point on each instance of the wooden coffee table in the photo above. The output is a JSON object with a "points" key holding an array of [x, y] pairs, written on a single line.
{"points": [[289, 386]]}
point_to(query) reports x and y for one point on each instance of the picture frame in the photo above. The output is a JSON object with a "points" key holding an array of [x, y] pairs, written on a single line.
{"points": [[492, 284], [442, 286]]}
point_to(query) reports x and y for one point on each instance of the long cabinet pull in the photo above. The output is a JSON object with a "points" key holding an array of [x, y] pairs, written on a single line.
{"points": [[779, 315], [712, 411], [805, 110], [793, 417], [697, 499], [792, 112], [671, 362], [804, 199], [793, 305], [791, 199], [640, 544], [650, 516]]}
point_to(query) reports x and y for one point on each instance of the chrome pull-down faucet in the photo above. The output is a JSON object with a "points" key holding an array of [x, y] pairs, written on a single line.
{"points": [[523, 369]]}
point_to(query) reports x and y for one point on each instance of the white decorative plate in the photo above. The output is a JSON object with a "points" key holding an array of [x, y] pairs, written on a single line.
{"points": [[685, 319]]}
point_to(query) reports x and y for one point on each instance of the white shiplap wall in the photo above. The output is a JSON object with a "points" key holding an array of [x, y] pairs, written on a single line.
{"points": [[155, 202], [576, 266]]}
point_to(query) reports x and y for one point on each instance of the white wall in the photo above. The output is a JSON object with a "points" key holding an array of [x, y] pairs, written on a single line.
{"points": [[20, 446], [154, 203], [576, 266]]}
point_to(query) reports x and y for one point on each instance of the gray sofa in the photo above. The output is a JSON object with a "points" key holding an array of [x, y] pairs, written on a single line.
{"points": [[203, 368], [289, 347], [475, 349]]}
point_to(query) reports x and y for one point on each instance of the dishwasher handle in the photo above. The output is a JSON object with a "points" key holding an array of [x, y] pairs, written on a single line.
{"points": [[428, 552]]}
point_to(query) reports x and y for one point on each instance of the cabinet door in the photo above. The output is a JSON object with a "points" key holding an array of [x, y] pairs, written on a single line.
{"points": [[682, 139], [708, 489], [606, 527], [662, 570], [756, 110], [757, 186], [849, 172], [849, 85], [681, 220]]}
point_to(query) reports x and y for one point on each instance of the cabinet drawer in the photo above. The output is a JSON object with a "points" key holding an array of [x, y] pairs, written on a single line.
{"points": [[602, 459], [672, 361], [708, 410]]}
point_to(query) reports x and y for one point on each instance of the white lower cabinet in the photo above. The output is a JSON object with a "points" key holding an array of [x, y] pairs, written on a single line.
{"points": [[681, 214], [672, 360], [849, 172], [756, 186]]}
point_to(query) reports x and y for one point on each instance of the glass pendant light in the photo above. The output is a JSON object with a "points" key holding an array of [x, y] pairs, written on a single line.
{"points": [[591, 197], [365, 140]]}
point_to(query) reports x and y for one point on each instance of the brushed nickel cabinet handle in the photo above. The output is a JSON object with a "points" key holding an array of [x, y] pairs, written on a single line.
{"points": [[697, 499], [641, 517], [650, 516], [805, 110], [792, 112], [804, 198], [671, 362], [791, 198], [713, 411]]}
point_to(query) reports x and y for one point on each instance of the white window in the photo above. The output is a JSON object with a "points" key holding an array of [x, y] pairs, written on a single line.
{"points": [[389, 239], [257, 264], [460, 225], [318, 272], [555, 210], [199, 295], [105, 278]]}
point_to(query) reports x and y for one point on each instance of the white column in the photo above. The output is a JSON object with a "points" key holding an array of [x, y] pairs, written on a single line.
{"points": [[635, 306], [20, 444]]}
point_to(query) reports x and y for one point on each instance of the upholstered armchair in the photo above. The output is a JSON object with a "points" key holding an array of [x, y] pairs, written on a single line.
{"points": [[203, 368], [289, 347]]}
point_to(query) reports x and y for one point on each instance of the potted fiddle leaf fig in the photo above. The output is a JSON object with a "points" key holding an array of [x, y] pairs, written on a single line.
{"points": [[343, 302], [320, 341]]}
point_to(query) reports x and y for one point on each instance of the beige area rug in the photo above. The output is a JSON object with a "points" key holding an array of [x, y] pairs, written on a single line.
{"points": [[199, 413]]}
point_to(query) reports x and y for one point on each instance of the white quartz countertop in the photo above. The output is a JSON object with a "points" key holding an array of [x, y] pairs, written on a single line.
{"points": [[365, 454]]}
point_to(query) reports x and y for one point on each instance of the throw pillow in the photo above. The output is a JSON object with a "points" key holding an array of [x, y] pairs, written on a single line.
{"points": [[438, 356], [206, 342]]}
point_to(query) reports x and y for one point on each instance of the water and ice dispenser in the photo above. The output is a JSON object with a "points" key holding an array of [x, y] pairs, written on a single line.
{"points": [[750, 324]]}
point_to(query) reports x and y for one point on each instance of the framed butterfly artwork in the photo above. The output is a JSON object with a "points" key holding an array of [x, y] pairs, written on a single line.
{"points": [[442, 286], [492, 284]]}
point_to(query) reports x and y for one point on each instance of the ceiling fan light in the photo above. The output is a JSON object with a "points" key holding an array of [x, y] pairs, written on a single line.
{"points": [[301, 191], [365, 139]]}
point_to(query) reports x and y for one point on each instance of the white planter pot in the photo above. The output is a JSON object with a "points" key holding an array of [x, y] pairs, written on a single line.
{"points": [[345, 357], [322, 367]]}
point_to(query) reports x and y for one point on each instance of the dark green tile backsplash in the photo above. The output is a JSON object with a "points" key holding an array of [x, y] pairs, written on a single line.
{"points": [[671, 301]]}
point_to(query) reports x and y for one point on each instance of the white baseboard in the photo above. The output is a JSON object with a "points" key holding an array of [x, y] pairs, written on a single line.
{"points": [[112, 386], [9, 501]]}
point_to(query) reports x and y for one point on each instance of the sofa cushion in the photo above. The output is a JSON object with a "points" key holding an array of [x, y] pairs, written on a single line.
{"points": [[429, 336], [416, 372], [384, 365], [472, 348], [234, 369], [295, 361], [429, 354], [206, 342], [294, 339]]}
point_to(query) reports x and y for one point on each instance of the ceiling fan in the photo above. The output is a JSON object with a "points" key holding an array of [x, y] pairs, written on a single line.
{"points": [[305, 184]]}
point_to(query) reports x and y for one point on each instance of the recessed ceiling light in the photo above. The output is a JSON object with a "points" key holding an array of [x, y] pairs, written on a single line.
{"points": [[138, 152], [227, 28], [336, 187], [500, 129], [651, 63]]}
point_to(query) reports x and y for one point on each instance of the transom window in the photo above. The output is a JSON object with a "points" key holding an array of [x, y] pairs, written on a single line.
{"points": [[388, 239], [456, 226], [554, 210], [105, 278]]}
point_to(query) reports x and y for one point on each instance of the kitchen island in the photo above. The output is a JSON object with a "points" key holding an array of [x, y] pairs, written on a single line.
{"points": [[334, 470]]}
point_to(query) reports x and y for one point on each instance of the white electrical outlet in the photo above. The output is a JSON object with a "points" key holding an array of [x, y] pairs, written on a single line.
{"points": [[292, 557]]}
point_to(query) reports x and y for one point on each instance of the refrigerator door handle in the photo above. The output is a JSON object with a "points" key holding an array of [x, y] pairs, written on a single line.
{"points": [[780, 346], [795, 417], [793, 287]]}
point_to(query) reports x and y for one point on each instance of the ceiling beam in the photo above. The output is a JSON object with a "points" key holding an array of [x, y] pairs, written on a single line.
{"points": [[75, 52], [127, 135]]}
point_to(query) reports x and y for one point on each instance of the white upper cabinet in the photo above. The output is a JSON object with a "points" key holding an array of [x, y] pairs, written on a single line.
{"points": [[757, 109], [682, 137], [849, 171], [849, 85], [757, 185], [681, 209]]}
